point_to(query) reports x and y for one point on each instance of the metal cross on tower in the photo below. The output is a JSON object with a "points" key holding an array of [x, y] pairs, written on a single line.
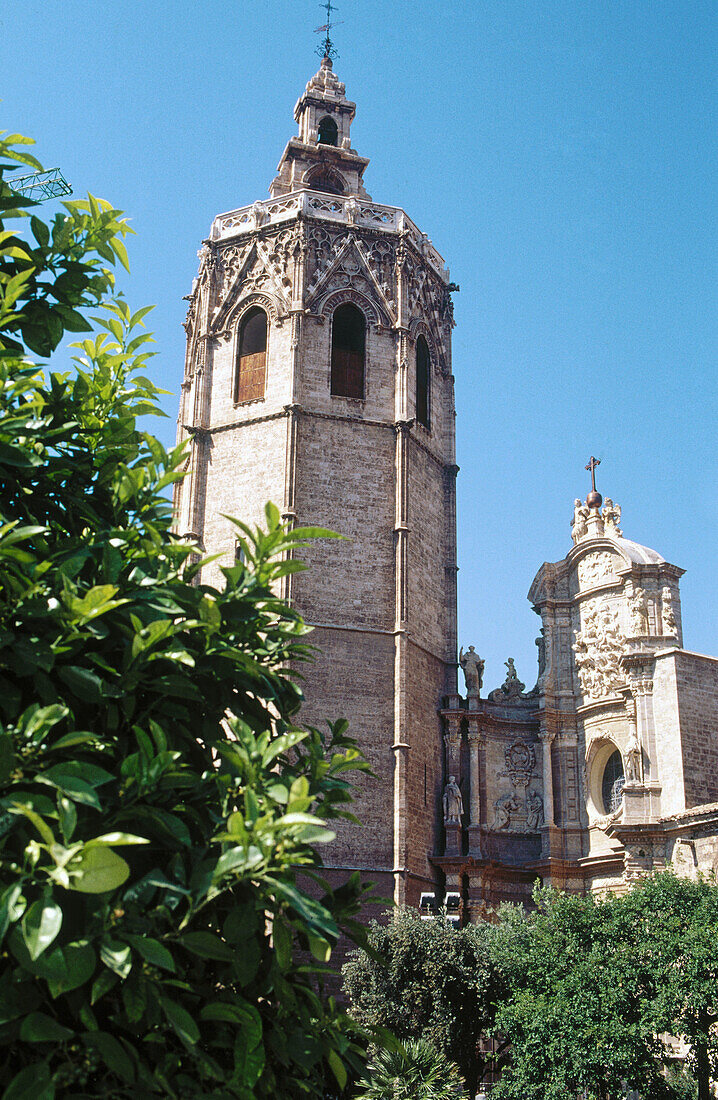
{"points": [[327, 48], [592, 464], [594, 498]]}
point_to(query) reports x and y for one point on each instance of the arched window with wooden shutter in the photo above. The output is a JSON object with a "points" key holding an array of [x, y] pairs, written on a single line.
{"points": [[251, 357], [423, 375], [348, 344]]}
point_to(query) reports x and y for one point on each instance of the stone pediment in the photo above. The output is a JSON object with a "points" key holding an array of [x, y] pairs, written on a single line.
{"points": [[348, 270], [250, 269]]}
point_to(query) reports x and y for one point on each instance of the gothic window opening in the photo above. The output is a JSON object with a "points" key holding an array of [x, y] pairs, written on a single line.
{"points": [[423, 363], [324, 179], [612, 783], [328, 131], [348, 341], [251, 357]]}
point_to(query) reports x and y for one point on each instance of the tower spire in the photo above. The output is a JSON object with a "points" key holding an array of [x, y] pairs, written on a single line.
{"points": [[326, 48]]}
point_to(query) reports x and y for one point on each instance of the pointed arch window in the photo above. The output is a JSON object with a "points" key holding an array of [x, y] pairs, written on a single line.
{"points": [[250, 374], [348, 344], [328, 131], [423, 374]]}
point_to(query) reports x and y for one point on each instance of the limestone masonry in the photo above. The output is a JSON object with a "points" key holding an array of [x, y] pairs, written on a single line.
{"points": [[318, 376]]}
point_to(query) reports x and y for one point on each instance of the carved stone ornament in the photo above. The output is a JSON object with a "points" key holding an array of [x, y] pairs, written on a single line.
{"points": [[504, 807], [534, 811], [633, 759], [611, 515], [512, 687], [579, 528], [598, 648], [670, 627], [473, 668], [595, 568], [604, 823], [453, 802], [638, 608], [520, 763]]}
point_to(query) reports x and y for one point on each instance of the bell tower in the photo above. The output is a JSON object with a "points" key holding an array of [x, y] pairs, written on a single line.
{"points": [[318, 375]]}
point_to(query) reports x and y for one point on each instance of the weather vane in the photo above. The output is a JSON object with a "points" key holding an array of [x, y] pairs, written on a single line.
{"points": [[327, 47]]}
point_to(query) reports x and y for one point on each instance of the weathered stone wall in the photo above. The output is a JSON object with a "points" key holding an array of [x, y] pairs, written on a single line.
{"points": [[697, 686], [353, 678], [244, 469]]}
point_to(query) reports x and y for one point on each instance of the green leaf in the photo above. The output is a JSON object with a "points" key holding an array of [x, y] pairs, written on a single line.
{"points": [[181, 1021], [207, 946], [112, 1053], [76, 789], [249, 1055], [319, 947], [71, 966], [67, 815], [31, 1083], [40, 926], [86, 685], [12, 907], [152, 952], [117, 956], [102, 985], [97, 869], [282, 937], [7, 757], [40, 1028], [337, 1067]]}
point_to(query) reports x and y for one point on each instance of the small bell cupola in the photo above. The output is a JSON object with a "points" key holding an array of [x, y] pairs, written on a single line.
{"points": [[321, 158]]}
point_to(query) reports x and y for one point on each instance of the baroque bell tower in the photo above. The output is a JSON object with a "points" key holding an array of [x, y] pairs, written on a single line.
{"points": [[318, 376]]}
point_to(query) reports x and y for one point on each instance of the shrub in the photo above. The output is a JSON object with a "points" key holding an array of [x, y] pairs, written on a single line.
{"points": [[157, 798]]}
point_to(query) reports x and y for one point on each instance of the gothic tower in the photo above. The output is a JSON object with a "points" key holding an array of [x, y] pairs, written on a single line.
{"points": [[318, 376]]}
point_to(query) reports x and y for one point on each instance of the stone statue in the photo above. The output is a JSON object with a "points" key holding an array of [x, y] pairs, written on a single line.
{"points": [[579, 528], [534, 810], [504, 806], [611, 514], [638, 607], [473, 667], [541, 643], [512, 685], [633, 759], [670, 626], [453, 802]]}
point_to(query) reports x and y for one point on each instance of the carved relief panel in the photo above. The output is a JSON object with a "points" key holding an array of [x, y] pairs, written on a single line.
{"points": [[521, 808], [598, 648]]}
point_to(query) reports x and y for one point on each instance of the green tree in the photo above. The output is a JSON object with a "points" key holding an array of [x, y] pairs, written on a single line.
{"points": [[676, 932], [157, 798], [411, 1071], [426, 979], [593, 983]]}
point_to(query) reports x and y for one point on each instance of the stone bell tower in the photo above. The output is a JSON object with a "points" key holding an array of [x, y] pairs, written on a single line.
{"points": [[318, 376]]}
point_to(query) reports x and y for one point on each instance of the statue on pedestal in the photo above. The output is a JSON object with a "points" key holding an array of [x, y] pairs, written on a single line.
{"points": [[453, 802], [473, 668], [633, 759]]}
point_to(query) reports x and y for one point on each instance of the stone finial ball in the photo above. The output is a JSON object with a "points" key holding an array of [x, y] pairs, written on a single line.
{"points": [[594, 499]]}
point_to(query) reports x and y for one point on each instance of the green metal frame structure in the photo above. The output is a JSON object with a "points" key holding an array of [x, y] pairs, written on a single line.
{"points": [[41, 186]]}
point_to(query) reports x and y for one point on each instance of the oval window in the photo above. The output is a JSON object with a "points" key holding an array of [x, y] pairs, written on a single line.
{"points": [[612, 783]]}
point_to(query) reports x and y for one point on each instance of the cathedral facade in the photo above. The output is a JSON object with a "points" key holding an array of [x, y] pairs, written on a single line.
{"points": [[318, 375]]}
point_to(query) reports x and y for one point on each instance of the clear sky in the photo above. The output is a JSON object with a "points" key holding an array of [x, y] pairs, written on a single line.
{"points": [[561, 154]]}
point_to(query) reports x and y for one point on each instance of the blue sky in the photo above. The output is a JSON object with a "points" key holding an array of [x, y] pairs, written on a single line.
{"points": [[562, 157]]}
